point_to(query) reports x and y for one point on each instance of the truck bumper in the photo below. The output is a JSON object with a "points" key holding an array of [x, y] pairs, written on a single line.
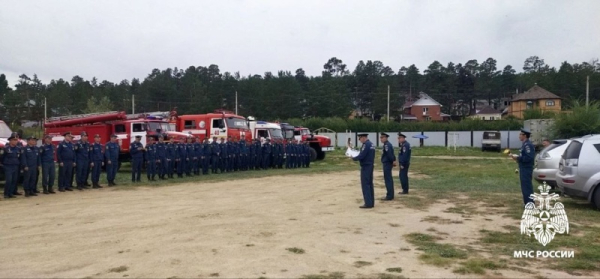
{"points": [[327, 149]]}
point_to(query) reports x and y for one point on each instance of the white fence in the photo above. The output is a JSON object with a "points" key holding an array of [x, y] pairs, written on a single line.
{"points": [[510, 139]]}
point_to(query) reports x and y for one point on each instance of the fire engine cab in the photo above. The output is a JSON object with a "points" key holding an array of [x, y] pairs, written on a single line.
{"points": [[126, 127], [221, 124], [318, 144], [263, 129]]}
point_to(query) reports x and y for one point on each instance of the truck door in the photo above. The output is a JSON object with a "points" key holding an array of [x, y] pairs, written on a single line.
{"points": [[138, 129], [262, 133], [122, 136], [218, 127]]}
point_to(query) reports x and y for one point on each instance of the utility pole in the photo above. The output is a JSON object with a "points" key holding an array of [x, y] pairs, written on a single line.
{"points": [[587, 93], [388, 110], [45, 110], [132, 104], [236, 111]]}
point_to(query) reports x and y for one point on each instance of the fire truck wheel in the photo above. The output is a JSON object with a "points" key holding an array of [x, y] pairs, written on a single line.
{"points": [[313, 154]]}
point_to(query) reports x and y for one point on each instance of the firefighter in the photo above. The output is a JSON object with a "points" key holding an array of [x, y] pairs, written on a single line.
{"points": [[388, 160], [65, 154], [97, 157], [266, 154], [151, 159], [190, 154], [10, 161], [294, 154], [82, 160], [136, 150], [181, 158], [366, 157], [307, 154], [404, 154], [259, 153], [30, 164], [162, 160], [171, 156], [224, 155], [198, 155], [243, 154], [215, 155], [48, 167], [281, 154], [206, 156], [112, 160]]}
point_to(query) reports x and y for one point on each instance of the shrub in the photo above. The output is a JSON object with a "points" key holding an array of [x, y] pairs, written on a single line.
{"points": [[581, 121]]}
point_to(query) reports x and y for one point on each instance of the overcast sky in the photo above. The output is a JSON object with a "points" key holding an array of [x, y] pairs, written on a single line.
{"points": [[116, 40]]}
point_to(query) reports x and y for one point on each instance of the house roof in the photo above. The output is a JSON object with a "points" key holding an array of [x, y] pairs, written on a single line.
{"points": [[408, 104], [535, 93], [425, 100], [488, 110]]}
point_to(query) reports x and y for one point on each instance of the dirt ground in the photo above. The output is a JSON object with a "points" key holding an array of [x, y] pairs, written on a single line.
{"points": [[226, 229]]}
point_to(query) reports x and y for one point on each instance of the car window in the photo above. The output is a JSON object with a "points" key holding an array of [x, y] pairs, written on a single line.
{"points": [[597, 146], [573, 150], [491, 135], [552, 146]]}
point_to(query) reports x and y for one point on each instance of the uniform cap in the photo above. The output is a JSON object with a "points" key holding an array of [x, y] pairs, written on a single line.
{"points": [[12, 138], [385, 135], [138, 137], [83, 134], [67, 134], [31, 138], [401, 135], [363, 135], [97, 136], [47, 137], [525, 131], [113, 136]]}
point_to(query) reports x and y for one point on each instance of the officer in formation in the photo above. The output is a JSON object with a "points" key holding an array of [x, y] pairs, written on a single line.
{"points": [[47, 151], [366, 157], [65, 156], [11, 159], [111, 154], [388, 160], [97, 161], [526, 160], [198, 156], [30, 163], [151, 159], [404, 161], [180, 157], [162, 160], [82, 162], [136, 150]]}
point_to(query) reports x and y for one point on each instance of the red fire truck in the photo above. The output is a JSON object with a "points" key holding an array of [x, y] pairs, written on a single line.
{"points": [[220, 124], [126, 127], [318, 144]]}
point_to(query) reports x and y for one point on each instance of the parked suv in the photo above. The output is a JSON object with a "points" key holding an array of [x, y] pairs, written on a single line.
{"points": [[548, 160], [579, 169]]}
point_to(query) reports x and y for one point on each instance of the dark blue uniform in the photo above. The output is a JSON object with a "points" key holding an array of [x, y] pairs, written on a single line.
{"points": [[207, 153], [243, 155], [11, 161], [82, 160], [366, 157], [257, 155], [266, 155], [281, 154], [181, 157], [111, 154], [97, 157], [526, 161], [48, 167], [65, 155], [306, 155], [190, 154], [30, 163], [136, 150], [171, 156], [151, 159], [387, 160], [404, 162], [161, 159], [224, 156], [198, 154], [215, 156]]}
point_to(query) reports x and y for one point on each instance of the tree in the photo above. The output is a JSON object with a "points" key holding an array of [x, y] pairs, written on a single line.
{"points": [[98, 105]]}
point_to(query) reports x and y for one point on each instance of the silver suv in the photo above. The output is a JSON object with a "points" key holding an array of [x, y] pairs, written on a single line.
{"points": [[579, 169], [548, 160]]}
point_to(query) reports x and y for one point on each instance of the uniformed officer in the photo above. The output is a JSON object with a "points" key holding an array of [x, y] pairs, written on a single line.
{"points": [[161, 157], [281, 154], [366, 157], [171, 157], [198, 156], [181, 157], [150, 156], [526, 160], [224, 155], [215, 155], [388, 160], [190, 155], [307, 154], [65, 155], [30, 164], [48, 167], [82, 160], [111, 154], [206, 156], [136, 150], [97, 161], [404, 162], [11, 160], [231, 154], [243, 154], [258, 151]]}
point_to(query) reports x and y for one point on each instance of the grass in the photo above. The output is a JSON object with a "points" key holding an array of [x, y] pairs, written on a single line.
{"points": [[118, 269], [478, 266], [332, 275], [296, 250], [394, 269], [360, 264], [435, 253]]}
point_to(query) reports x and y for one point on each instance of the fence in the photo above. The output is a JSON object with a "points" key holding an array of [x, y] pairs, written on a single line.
{"points": [[509, 139]]}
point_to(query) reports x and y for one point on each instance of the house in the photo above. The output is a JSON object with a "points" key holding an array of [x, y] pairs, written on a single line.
{"points": [[487, 113], [534, 98], [423, 109]]}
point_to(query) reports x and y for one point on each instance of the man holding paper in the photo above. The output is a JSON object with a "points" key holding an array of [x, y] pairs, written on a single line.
{"points": [[366, 157]]}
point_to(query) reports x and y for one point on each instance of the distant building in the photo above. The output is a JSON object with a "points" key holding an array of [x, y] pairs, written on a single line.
{"points": [[424, 109], [487, 113], [534, 98]]}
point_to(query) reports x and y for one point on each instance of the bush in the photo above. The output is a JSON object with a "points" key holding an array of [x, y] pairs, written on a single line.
{"points": [[580, 122], [537, 114]]}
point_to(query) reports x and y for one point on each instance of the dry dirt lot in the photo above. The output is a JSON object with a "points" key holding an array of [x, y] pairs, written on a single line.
{"points": [[227, 229]]}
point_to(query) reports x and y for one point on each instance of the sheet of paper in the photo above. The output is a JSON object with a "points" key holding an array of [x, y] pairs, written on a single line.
{"points": [[352, 153]]}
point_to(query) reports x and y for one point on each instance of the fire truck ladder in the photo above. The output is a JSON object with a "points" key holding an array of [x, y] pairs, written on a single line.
{"points": [[79, 116]]}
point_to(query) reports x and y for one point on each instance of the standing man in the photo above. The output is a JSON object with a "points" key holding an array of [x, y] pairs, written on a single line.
{"points": [[388, 160], [224, 155], [215, 155], [545, 142], [366, 157], [266, 154], [171, 157], [30, 162], [48, 167], [526, 160], [258, 154], [82, 160], [65, 154], [136, 150], [10, 161], [198, 156], [161, 157], [404, 161], [243, 154], [206, 156], [112, 160], [190, 153], [97, 157], [151, 159]]}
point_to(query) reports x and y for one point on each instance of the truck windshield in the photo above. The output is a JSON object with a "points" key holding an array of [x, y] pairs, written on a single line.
{"points": [[289, 134], [236, 123], [275, 133], [163, 126], [491, 135], [4, 130]]}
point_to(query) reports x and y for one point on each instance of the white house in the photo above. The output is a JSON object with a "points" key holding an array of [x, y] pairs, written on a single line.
{"points": [[487, 113]]}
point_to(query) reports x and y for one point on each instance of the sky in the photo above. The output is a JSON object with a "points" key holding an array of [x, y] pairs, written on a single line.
{"points": [[115, 40]]}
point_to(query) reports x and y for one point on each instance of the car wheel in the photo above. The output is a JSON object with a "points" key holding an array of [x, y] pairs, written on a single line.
{"points": [[596, 197]]}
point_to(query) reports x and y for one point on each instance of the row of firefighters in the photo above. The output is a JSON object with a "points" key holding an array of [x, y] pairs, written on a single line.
{"points": [[162, 159]]}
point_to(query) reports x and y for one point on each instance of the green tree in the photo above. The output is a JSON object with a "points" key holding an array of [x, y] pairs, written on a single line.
{"points": [[98, 105]]}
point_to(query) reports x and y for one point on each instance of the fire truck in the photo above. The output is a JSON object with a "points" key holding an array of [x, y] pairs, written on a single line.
{"points": [[318, 144], [5, 133], [126, 127]]}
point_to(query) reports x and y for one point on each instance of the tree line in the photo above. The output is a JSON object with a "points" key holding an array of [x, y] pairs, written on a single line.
{"points": [[337, 92]]}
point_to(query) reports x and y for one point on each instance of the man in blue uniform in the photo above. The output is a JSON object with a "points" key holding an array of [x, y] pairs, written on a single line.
{"points": [[97, 161], [281, 154], [162, 158], [224, 155], [404, 161], [206, 156], [526, 160], [190, 155], [10, 161], [266, 154], [171, 157], [366, 157], [112, 160], [136, 150], [257, 154], [198, 155], [230, 154], [243, 154], [65, 155], [215, 151], [30, 164], [180, 157], [82, 161], [48, 167], [151, 159], [388, 160]]}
